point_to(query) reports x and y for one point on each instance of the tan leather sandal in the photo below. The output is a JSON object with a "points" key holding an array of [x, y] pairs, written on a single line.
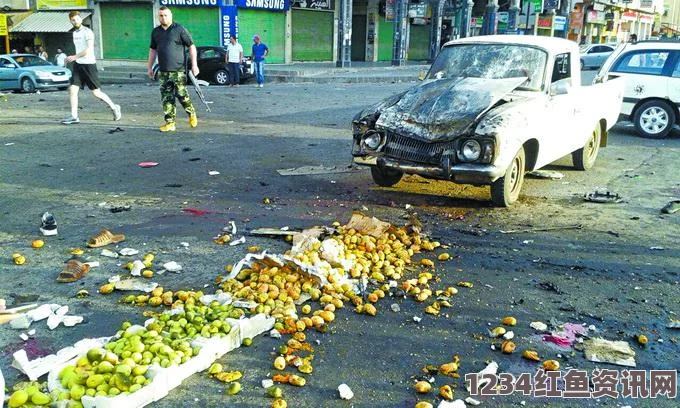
{"points": [[105, 237], [73, 271]]}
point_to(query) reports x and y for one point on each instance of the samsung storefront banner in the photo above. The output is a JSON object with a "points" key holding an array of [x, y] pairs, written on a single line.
{"points": [[189, 3], [229, 26], [275, 5]]}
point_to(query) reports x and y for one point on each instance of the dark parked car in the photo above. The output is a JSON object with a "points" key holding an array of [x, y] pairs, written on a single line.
{"points": [[27, 72], [213, 67]]}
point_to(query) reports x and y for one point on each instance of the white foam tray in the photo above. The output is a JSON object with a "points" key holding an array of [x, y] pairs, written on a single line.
{"points": [[165, 379]]}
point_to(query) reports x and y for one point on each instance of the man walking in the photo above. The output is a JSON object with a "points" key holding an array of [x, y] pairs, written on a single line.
{"points": [[260, 51], [84, 69], [60, 58], [168, 42], [234, 58]]}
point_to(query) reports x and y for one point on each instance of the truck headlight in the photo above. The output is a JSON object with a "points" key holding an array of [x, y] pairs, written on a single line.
{"points": [[469, 151], [372, 140]]}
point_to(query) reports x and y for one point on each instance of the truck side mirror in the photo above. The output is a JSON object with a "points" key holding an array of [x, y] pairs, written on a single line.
{"points": [[560, 87]]}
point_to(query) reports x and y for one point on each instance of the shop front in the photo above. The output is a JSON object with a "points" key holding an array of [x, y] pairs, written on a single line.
{"points": [[129, 41], [312, 30]]}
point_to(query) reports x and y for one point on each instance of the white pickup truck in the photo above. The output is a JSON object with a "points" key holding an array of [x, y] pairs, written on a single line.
{"points": [[490, 109]]}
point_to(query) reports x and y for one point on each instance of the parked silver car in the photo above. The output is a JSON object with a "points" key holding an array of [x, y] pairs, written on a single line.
{"points": [[27, 72], [594, 55]]}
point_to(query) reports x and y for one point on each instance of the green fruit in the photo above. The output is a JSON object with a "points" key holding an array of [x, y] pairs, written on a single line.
{"points": [[94, 381], [90, 392], [275, 392], [135, 387], [18, 399], [64, 395], [95, 354], [83, 362], [140, 370], [215, 368], [114, 391], [77, 392], [122, 381], [124, 369], [247, 342], [233, 388], [101, 394], [104, 367], [140, 380]]}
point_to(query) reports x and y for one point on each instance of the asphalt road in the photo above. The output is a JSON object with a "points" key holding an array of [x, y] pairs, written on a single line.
{"points": [[618, 271]]}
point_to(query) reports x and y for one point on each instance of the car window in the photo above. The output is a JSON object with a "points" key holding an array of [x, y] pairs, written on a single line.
{"points": [[561, 68], [597, 49], [492, 61], [4, 61], [209, 53], [30, 61], [676, 70], [642, 62]]}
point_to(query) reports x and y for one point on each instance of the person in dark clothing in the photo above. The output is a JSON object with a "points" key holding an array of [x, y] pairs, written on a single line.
{"points": [[168, 43]]}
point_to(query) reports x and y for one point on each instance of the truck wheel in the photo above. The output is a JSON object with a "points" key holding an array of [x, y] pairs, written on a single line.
{"points": [[654, 119], [221, 77], [385, 177], [505, 190], [27, 85], [584, 158]]}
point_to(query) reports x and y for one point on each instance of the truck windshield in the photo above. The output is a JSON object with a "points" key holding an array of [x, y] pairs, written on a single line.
{"points": [[491, 61]]}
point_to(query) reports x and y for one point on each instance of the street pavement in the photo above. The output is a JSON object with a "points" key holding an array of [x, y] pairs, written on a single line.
{"points": [[552, 257]]}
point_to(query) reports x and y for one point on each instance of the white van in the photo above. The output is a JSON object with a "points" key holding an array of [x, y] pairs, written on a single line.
{"points": [[652, 94]]}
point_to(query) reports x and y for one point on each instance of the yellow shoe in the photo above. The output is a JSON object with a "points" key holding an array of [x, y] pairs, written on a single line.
{"points": [[193, 120], [168, 127]]}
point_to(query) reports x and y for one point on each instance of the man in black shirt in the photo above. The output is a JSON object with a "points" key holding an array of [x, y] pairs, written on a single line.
{"points": [[168, 42]]}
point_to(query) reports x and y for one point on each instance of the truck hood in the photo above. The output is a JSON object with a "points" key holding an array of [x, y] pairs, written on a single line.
{"points": [[440, 109]]}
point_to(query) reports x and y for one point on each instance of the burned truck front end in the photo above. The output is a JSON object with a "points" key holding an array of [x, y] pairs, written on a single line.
{"points": [[430, 131]]}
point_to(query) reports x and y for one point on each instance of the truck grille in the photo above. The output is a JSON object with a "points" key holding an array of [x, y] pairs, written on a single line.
{"points": [[404, 148]]}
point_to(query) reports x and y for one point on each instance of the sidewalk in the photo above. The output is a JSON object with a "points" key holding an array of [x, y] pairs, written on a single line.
{"points": [[112, 72]]}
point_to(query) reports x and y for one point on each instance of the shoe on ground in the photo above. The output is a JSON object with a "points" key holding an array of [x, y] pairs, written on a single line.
{"points": [[48, 225], [70, 121], [105, 237], [193, 120], [261, 85], [116, 112], [672, 207], [168, 127]]}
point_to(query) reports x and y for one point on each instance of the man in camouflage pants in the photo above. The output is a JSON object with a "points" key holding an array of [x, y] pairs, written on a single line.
{"points": [[168, 42]]}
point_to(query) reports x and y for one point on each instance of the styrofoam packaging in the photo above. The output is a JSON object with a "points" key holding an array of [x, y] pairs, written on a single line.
{"points": [[252, 326]]}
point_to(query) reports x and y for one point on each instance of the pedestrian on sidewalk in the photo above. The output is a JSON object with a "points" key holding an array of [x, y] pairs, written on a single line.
{"points": [[84, 69], [169, 42], [60, 58], [259, 52], [234, 58], [41, 53]]}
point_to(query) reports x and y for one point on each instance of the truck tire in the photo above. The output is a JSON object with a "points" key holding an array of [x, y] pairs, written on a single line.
{"points": [[27, 85], [385, 177], [584, 158], [506, 189], [654, 119], [221, 77]]}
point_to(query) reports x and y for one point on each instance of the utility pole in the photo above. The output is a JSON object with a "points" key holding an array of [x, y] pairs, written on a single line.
{"points": [[513, 15], [400, 33], [345, 34], [489, 26], [466, 18], [436, 31]]}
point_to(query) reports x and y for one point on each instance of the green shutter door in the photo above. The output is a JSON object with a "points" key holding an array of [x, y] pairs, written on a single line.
{"points": [[202, 22], [312, 35], [126, 30], [270, 26], [385, 40], [419, 43]]}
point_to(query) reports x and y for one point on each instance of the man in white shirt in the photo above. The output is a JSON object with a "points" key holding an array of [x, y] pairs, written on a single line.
{"points": [[234, 58], [60, 58], [84, 69]]}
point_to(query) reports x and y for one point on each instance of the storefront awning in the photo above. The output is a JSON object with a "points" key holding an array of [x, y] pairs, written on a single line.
{"points": [[46, 22]]}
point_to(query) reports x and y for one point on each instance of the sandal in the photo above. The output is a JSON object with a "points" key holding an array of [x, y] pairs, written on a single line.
{"points": [[105, 237], [73, 271]]}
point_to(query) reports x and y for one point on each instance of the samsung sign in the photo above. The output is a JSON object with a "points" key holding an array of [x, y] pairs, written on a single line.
{"points": [[188, 3], [278, 5]]}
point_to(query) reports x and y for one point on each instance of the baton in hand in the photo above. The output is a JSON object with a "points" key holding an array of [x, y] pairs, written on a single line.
{"points": [[199, 91]]}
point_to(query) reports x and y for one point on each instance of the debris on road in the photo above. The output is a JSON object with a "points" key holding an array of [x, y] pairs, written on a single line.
{"points": [[601, 197], [73, 271], [606, 351], [539, 326], [674, 324], [568, 335], [213, 173], [312, 170], [542, 229], [671, 207], [345, 392], [546, 174], [491, 368], [132, 284], [128, 252], [147, 164]]}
